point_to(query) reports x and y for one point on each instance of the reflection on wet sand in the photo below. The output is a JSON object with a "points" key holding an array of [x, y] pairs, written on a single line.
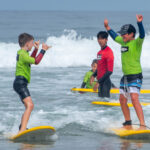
{"points": [[122, 144], [130, 144], [35, 146]]}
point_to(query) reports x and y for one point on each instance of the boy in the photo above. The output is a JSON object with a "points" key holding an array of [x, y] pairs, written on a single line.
{"points": [[132, 79], [87, 77], [105, 64], [23, 67]]}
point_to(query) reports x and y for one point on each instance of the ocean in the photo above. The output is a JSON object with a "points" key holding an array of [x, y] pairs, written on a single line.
{"points": [[72, 35]]}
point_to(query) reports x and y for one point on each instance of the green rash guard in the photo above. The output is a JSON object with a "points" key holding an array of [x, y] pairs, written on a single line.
{"points": [[23, 64], [130, 55], [87, 78]]}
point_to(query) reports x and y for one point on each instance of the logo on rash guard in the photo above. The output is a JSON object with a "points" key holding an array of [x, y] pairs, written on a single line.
{"points": [[124, 49], [99, 57]]}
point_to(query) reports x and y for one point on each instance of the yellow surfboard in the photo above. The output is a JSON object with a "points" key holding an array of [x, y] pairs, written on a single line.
{"points": [[112, 91], [133, 133], [115, 103], [40, 133]]}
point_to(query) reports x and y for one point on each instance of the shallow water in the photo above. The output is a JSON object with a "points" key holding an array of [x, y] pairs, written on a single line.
{"points": [[79, 124]]}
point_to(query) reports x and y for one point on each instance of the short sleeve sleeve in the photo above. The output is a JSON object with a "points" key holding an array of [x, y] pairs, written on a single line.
{"points": [[139, 41], [119, 40], [27, 59]]}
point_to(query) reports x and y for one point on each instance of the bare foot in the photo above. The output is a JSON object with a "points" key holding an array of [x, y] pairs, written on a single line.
{"points": [[20, 131], [142, 128], [128, 127]]}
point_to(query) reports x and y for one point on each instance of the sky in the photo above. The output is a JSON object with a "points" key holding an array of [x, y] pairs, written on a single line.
{"points": [[76, 5]]}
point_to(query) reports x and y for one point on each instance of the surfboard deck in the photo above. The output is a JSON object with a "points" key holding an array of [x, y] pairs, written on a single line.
{"points": [[91, 90], [112, 91], [40, 133], [132, 133], [102, 103]]}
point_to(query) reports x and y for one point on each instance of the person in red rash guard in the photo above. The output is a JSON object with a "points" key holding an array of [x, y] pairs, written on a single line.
{"points": [[105, 65]]}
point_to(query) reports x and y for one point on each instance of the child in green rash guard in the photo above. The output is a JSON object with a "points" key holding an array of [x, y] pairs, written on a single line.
{"points": [[131, 81], [87, 77], [23, 69]]}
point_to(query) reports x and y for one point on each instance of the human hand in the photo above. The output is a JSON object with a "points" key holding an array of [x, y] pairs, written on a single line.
{"points": [[106, 24], [45, 47], [37, 44], [139, 18], [96, 86], [92, 80]]}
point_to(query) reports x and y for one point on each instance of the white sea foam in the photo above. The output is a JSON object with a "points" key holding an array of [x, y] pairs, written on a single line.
{"points": [[69, 50]]}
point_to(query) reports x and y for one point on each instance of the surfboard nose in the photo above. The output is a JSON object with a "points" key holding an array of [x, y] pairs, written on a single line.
{"points": [[40, 133]]}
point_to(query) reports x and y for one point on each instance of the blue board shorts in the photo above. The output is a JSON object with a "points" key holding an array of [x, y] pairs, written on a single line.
{"points": [[131, 83]]}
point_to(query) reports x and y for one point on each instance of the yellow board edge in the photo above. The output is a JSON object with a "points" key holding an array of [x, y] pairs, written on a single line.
{"points": [[124, 132], [112, 91], [115, 103], [32, 129]]}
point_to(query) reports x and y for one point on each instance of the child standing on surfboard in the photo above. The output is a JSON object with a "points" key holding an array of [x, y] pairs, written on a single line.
{"points": [[23, 69], [131, 81], [105, 63]]}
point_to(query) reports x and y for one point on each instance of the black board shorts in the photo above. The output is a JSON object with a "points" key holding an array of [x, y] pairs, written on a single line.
{"points": [[104, 88], [20, 86]]}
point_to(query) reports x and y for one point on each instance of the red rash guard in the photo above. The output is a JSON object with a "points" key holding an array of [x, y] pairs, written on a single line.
{"points": [[105, 60]]}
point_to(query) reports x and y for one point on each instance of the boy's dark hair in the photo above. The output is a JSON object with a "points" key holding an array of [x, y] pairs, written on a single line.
{"points": [[24, 38], [102, 34], [94, 61]]}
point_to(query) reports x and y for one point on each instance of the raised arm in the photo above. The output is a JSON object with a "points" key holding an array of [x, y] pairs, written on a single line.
{"points": [[45, 47], [112, 33], [34, 53], [140, 26], [30, 60], [39, 57], [109, 30]]}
